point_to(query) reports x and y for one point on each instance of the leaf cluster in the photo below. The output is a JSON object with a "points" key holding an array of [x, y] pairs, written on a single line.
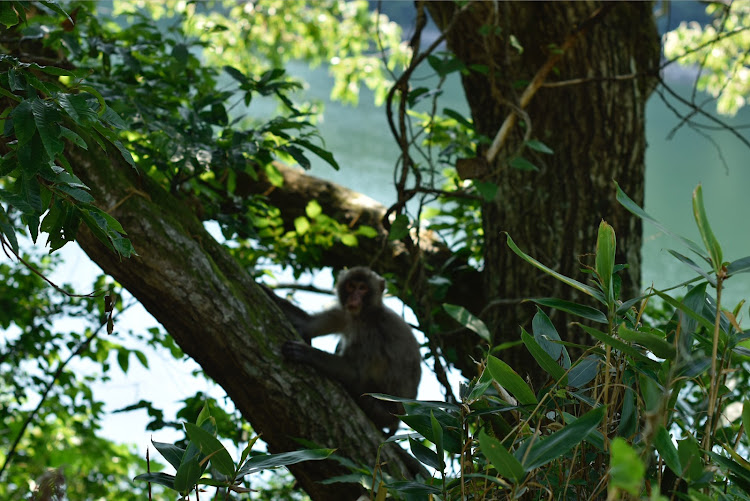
{"points": [[204, 454], [48, 407], [48, 109], [643, 414]]}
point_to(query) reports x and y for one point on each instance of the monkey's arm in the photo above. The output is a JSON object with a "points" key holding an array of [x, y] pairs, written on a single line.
{"points": [[325, 322], [332, 366], [309, 326]]}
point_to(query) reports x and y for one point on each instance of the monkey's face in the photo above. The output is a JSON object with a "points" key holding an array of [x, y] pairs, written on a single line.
{"points": [[355, 296]]}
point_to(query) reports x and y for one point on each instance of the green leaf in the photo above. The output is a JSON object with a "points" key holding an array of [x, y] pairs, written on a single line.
{"points": [[746, 415], [739, 266], [521, 163], [236, 74], [465, 318], [141, 358], [655, 344], [731, 466], [579, 310], [503, 461], [486, 189], [539, 146], [425, 455], [458, 117], [320, 152], [445, 65], [686, 260], [123, 359], [583, 372], [690, 458], [605, 259], [667, 450], [71, 136], [77, 193], [210, 446], [301, 225], [91, 90], [626, 469], [268, 461], [77, 107], [546, 362], [569, 281], [399, 228], [707, 235], [187, 475], [349, 240], [157, 478], [545, 335], [708, 324], [313, 209], [511, 381], [366, 231], [23, 122], [437, 435], [631, 206], [8, 16], [617, 344], [560, 442]]}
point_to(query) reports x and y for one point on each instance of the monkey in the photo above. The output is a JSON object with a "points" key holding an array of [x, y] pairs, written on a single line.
{"points": [[377, 352]]}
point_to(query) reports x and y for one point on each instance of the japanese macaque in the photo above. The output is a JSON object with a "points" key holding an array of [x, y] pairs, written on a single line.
{"points": [[377, 352]]}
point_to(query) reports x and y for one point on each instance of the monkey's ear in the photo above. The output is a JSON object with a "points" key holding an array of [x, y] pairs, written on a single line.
{"points": [[381, 283]]}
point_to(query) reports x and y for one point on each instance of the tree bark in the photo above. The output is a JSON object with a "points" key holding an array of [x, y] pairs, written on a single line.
{"points": [[593, 119]]}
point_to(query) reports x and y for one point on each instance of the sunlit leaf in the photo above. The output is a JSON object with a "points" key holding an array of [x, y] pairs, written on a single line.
{"points": [[626, 469]]}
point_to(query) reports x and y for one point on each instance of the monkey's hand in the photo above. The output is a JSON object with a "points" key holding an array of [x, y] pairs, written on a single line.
{"points": [[301, 326], [296, 351]]}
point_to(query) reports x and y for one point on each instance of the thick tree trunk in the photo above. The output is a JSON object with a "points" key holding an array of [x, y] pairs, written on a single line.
{"points": [[594, 122]]}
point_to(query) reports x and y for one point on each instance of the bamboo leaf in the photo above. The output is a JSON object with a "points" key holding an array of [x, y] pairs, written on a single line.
{"points": [[503, 461], [655, 344], [739, 266], [268, 461], [707, 235], [562, 441], [617, 344], [605, 258], [667, 450], [465, 318], [571, 282], [511, 381], [542, 357], [711, 279], [631, 206], [580, 310], [626, 469]]}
